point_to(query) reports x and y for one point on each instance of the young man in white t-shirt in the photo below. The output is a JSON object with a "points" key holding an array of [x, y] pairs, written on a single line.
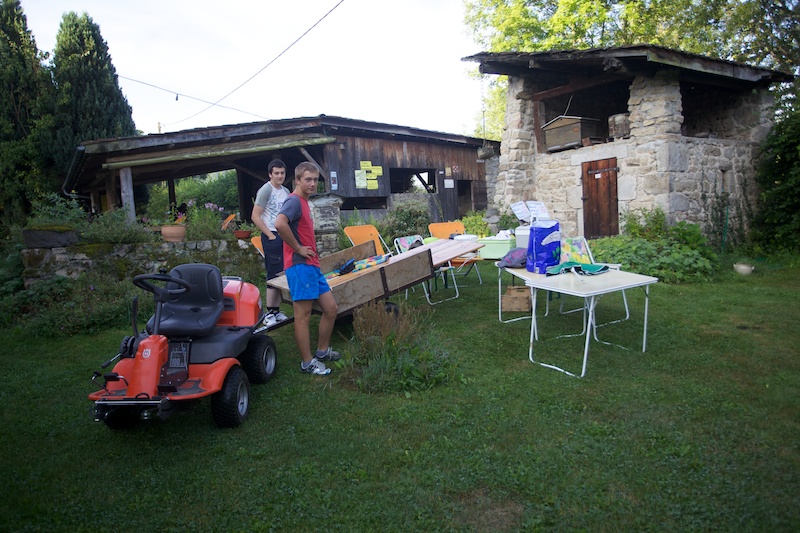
{"points": [[269, 199]]}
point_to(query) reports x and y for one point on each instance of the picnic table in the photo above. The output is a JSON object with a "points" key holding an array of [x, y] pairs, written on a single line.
{"points": [[380, 281]]}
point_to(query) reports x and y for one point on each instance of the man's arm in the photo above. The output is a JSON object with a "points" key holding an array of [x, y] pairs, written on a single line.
{"points": [[285, 231], [259, 222]]}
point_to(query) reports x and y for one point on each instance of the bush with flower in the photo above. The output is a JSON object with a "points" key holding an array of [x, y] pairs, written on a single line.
{"points": [[204, 222]]}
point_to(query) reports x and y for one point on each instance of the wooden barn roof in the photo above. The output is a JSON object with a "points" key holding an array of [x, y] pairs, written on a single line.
{"points": [[199, 151]]}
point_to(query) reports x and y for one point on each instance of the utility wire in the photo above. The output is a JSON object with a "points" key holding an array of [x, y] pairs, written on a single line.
{"points": [[248, 80], [177, 94]]}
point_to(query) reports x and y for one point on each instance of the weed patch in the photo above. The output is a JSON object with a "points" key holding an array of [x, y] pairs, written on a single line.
{"points": [[394, 351]]}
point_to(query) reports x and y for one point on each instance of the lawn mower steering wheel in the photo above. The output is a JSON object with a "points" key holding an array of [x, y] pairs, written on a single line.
{"points": [[162, 294]]}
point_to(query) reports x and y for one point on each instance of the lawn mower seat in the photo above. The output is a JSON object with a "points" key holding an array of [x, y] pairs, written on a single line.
{"points": [[195, 312]]}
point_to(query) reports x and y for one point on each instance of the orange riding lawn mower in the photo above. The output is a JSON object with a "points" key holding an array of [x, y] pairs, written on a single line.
{"points": [[206, 338]]}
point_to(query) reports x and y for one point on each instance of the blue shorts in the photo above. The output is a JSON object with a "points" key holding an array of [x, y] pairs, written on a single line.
{"points": [[306, 282]]}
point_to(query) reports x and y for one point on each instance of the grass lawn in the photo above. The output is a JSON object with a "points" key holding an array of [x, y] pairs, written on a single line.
{"points": [[701, 432]]}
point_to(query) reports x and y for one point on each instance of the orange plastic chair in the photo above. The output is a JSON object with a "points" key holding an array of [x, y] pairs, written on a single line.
{"points": [[257, 243], [443, 230], [365, 233]]}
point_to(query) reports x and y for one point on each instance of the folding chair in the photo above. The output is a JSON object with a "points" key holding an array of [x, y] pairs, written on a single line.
{"points": [[404, 244], [443, 230], [576, 249], [365, 233], [256, 241]]}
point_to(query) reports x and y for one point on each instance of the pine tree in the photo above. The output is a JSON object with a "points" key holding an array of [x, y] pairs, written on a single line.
{"points": [[90, 103], [25, 96]]}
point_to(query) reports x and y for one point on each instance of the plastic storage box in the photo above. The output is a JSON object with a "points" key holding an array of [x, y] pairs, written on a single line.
{"points": [[495, 248]]}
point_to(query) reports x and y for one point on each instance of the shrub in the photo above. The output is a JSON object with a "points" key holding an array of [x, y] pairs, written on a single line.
{"points": [[778, 220], [355, 219], [410, 217], [113, 227], [394, 352], [54, 212], [475, 224], [678, 253], [204, 223], [65, 306], [669, 261], [507, 221], [11, 266]]}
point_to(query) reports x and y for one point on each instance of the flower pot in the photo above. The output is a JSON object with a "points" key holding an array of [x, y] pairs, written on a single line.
{"points": [[173, 233], [242, 233]]}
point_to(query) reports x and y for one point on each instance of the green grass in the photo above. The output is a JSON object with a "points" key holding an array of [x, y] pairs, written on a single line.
{"points": [[699, 433]]}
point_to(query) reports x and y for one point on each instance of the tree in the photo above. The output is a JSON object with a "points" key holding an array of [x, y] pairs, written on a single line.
{"points": [[778, 220], [25, 112], [90, 103]]}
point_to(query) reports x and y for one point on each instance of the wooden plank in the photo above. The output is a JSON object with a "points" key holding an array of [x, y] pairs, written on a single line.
{"points": [[356, 289], [402, 272]]}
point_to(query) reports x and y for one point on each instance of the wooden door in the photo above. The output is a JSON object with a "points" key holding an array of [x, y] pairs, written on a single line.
{"points": [[600, 211]]}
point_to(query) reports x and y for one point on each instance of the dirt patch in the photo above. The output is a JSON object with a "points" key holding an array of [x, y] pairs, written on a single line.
{"points": [[484, 512]]}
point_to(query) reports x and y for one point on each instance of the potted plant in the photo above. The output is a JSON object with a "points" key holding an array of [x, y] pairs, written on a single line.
{"points": [[244, 230], [175, 231]]}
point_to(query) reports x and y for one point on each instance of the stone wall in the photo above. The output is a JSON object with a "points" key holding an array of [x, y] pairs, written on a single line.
{"points": [[123, 261], [694, 179], [234, 258]]}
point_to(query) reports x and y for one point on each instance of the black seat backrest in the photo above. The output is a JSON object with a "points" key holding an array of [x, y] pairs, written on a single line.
{"points": [[194, 313]]}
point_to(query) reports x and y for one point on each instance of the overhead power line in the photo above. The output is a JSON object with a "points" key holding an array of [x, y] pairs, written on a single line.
{"points": [[248, 80], [177, 94]]}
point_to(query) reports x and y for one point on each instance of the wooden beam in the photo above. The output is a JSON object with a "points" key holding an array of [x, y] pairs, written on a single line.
{"points": [[258, 175], [126, 186], [235, 149], [573, 86], [111, 192], [322, 171]]}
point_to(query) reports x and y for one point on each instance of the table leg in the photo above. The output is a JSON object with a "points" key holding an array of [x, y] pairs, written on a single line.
{"points": [[646, 305], [590, 321]]}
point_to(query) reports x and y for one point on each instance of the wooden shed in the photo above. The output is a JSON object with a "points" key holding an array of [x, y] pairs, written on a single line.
{"points": [[363, 162]]}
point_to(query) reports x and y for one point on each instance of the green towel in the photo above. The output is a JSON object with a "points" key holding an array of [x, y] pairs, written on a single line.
{"points": [[587, 269]]}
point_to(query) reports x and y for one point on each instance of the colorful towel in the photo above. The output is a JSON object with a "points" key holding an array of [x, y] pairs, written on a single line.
{"points": [[586, 269], [361, 264]]}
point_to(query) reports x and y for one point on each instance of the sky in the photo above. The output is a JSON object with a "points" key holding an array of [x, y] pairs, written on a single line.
{"points": [[391, 61]]}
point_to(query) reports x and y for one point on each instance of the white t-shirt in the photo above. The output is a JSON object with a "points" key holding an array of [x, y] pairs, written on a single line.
{"points": [[271, 205]]}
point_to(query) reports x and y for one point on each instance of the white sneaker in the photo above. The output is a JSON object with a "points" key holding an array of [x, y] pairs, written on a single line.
{"points": [[280, 317], [316, 367], [270, 319]]}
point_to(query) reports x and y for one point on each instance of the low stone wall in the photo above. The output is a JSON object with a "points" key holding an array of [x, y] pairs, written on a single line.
{"points": [[123, 261]]}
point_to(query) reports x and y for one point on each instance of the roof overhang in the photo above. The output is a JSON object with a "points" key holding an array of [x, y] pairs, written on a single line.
{"points": [[623, 62]]}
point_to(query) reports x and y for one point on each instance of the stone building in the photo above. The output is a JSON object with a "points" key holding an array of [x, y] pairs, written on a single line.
{"points": [[595, 133]]}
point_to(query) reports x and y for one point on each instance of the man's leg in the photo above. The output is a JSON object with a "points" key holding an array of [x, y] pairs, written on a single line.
{"points": [[329, 311], [273, 297], [302, 335]]}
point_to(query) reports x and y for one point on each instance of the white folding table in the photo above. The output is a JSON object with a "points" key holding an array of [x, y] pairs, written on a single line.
{"points": [[590, 288]]}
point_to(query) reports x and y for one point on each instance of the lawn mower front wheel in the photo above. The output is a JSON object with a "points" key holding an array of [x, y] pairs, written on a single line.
{"points": [[229, 406]]}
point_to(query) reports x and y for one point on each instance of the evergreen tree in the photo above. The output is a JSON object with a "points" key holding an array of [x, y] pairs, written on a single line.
{"points": [[90, 104], [25, 99]]}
